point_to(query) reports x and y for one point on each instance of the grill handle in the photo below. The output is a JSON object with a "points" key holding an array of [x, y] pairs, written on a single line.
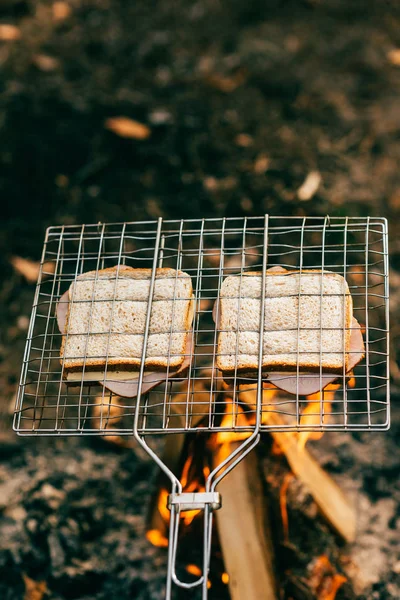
{"points": [[177, 503]]}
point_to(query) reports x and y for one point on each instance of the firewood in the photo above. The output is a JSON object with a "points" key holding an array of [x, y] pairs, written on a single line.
{"points": [[328, 496], [244, 530]]}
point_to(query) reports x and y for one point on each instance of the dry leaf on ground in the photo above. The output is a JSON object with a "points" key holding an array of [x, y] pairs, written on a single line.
{"points": [[261, 164], [310, 186], [127, 128], [394, 57], [45, 63], [9, 33], [61, 10], [29, 268], [34, 590]]}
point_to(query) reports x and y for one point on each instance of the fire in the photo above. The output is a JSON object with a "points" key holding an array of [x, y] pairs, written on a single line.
{"points": [[311, 414], [190, 486], [162, 505], [323, 579], [196, 571], [193, 570], [283, 505], [185, 473], [233, 417], [352, 382], [188, 516], [156, 538]]}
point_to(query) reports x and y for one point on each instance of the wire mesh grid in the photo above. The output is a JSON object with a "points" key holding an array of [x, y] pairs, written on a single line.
{"points": [[202, 398]]}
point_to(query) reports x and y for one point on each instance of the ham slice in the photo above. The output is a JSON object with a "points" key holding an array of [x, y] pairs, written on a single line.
{"points": [[119, 382], [129, 388], [62, 311], [310, 383]]}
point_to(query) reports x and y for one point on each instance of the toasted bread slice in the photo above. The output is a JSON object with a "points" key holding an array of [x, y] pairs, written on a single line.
{"points": [[106, 320], [305, 325]]}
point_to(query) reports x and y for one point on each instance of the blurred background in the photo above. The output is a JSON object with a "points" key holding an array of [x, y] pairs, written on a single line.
{"points": [[113, 110]]}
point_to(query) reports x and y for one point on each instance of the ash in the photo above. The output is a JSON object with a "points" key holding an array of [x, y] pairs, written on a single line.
{"points": [[73, 515]]}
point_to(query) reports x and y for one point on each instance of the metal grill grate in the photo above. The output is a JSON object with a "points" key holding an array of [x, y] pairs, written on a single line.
{"points": [[209, 250]]}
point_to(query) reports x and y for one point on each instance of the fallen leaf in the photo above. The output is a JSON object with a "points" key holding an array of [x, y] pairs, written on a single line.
{"points": [[160, 117], [246, 205], [62, 181], [394, 57], [153, 208], [23, 322], [127, 128], [310, 186], [9, 33], [244, 140], [61, 11], [34, 590], [210, 183], [226, 84], [45, 63], [261, 164], [30, 269]]}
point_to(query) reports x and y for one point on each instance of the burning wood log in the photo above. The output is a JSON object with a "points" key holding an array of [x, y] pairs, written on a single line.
{"points": [[244, 529], [330, 499]]}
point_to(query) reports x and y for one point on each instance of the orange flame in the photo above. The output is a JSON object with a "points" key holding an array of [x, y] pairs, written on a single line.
{"points": [[193, 486], [189, 515], [234, 417], [185, 472], [311, 415], [156, 538], [324, 580], [225, 578], [193, 570], [162, 505], [283, 505]]}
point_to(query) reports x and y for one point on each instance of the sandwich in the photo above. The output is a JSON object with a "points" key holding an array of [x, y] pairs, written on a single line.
{"points": [[310, 335], [103, 319]]}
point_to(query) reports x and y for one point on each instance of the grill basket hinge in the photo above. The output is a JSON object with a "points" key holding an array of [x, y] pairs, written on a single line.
{"points": [[195, 501]]}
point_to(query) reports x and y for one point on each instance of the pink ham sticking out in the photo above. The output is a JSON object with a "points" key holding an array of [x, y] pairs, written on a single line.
{"points": [[130, 388], [310, 383], [127, 388], [62, 311]]}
